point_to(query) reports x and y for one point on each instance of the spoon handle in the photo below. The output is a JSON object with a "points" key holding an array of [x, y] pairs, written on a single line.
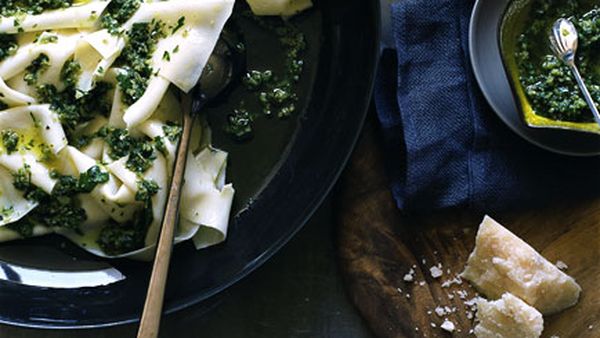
{"points": [[151, 316], [586, 92]]}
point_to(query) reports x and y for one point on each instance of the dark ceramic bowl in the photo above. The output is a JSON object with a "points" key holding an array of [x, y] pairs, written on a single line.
{"points": [[281, 177], [516, 17], [495, 83]]}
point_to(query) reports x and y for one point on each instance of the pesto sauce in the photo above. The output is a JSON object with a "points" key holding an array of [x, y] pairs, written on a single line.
{"points": [[72, 110], [59, 209], [116, 239], [37, 68], [70, 73], [135, 59], [8, 46], [15, 7], [276, 93], [548, 83], [10, 140], [146, 189], [141, 151], [117, 13]]}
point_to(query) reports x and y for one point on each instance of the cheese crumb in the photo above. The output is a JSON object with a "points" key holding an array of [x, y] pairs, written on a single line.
{"points": [[561, 265], [436, 272], [448, 325]]}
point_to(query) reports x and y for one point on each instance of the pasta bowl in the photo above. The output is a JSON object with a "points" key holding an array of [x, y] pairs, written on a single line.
{"points": [[281, 177]]}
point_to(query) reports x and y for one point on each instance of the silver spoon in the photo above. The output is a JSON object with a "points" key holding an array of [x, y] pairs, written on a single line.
{"points": [[217, 77], [564, 40]]}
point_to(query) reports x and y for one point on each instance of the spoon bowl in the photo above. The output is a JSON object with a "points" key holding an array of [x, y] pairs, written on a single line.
{"points": [[564, 40]]}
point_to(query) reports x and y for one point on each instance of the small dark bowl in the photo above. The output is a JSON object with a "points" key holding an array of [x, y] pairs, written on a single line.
{"points": [[513, 23], [491, 75]]}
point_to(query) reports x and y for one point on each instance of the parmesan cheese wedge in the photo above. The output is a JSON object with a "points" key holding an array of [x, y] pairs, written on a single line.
{"points": [[507, 317], [502, 262]]}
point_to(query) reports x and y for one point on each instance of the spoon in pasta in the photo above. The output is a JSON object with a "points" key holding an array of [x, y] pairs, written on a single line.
{"points": [[564, 41], [217, 77]]}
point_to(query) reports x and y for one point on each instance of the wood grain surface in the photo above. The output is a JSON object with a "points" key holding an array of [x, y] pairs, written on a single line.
{"points": [[378, 245]]}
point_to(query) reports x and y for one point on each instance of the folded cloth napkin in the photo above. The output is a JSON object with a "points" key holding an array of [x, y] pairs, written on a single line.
{"points": [[444, 145]]}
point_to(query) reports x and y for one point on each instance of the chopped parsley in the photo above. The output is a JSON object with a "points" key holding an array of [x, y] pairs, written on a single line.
{"points": [[10, 140], [135, 59], [8, 46], [117, 13], [180, 23], [37, 68]]}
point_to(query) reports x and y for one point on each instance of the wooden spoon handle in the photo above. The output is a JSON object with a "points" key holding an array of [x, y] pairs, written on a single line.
{"points": [[151, 316]]}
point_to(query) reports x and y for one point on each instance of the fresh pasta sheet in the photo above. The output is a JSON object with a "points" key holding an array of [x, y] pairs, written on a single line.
{"points": [[90, 122]]}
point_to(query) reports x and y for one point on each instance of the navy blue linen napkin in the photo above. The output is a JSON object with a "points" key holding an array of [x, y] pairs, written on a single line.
{"points": [[444, 146]]}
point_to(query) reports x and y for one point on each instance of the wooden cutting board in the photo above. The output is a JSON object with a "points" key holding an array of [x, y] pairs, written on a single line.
{"points": [[378, 246]]}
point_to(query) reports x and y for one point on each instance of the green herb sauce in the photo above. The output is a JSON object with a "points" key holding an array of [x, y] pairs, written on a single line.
{"points": [[135, 59], [116, 239], [15, 7], [8, 46], [10, 140], [37, 68], [59, 209], [117, 13], [276, 93], [548, 83], [146, 189], [141, 150], [72, 110]]}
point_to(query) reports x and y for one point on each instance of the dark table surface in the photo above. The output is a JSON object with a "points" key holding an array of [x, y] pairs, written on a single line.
{"points": [[298, 293]]}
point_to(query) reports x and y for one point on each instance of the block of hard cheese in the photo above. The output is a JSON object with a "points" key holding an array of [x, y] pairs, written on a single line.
{"points": [[507, 317], [502, 262], [279, 7]]}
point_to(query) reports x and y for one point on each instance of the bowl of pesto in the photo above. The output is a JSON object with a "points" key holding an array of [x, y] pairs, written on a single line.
{"points": [[495, 30], [545, 90]]}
